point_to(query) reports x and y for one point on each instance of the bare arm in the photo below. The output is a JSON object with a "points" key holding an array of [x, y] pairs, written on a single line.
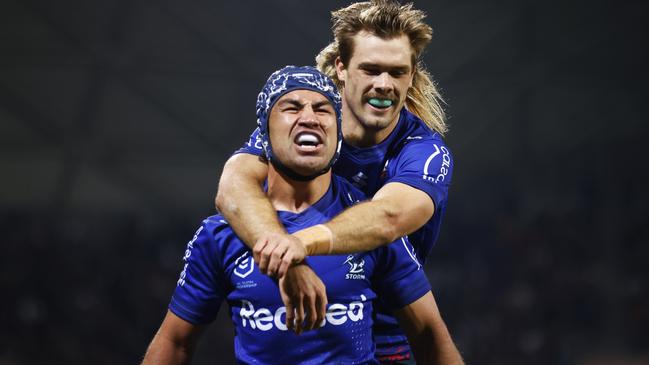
{"points": [[241, 200], [396, 210], [246, 207], [174, 343], [427, 334]]}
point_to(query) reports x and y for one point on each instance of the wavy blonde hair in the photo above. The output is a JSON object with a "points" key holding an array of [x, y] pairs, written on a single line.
{"points": [[388, 19]]}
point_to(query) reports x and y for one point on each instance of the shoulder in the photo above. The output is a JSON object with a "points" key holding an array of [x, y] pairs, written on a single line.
{"points": [[215, 235], [216, 226], [418, 137], [422, 151], [423, 146]]}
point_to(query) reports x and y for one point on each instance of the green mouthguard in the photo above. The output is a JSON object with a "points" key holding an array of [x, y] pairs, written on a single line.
{"points": [[380, 103]]}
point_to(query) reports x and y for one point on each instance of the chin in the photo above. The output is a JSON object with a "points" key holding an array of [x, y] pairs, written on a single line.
{"points": [[377, 124], [307, 168]]}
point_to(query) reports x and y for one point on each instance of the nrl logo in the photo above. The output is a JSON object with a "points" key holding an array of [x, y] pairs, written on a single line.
{"points": [[244, 265], [356, 268]]}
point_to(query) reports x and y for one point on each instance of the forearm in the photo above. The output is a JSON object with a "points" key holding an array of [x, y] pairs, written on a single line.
{"points": [[427, 333], [434, 345], [362, 227], [395, 210], [243, 203], [166, 352]]}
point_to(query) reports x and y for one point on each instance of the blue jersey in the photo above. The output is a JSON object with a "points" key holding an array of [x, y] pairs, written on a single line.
{"points": [[218, 267], [413, 155]]}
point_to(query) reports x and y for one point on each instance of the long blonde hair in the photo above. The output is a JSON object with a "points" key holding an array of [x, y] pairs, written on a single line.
{"points": [[388, 19]]}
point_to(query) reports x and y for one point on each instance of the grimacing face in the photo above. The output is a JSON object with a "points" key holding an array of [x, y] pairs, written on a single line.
{"points": [[376, 80], [303, 131]]}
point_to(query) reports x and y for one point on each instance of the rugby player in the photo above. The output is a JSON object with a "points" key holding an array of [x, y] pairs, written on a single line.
{"points": [[393, 151], [299, 116]]}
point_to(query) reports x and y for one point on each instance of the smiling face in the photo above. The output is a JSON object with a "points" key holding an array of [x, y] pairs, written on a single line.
{"points": [[376, 80], [303, 132]]}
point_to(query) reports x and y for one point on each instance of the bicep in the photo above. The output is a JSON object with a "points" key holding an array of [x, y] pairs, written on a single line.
{"points": [[411, 207], [174, 343], [243, 175], [178, 331], [244, 167], [418, 315]]}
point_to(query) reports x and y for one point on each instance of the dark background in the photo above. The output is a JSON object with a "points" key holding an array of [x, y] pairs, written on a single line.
{"points": [[117, 116]]}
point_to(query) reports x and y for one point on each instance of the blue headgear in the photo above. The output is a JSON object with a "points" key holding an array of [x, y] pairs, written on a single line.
{"points": [[286, 80]]}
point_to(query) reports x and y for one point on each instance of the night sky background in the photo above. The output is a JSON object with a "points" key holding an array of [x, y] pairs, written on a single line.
{"points": [[116, 118]]}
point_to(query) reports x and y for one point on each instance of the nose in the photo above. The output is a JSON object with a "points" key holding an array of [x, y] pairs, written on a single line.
{"points": [[383, 82], [308, 117]]}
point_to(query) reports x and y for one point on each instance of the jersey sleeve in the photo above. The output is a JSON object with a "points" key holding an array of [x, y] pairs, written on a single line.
{"points": [[253, 146], [426, 165], [400, 278], [199, 293]]}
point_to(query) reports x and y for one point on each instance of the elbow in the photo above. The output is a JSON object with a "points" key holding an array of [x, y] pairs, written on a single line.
{"points": [[224, 204], [223, 201], [220, 201], [390, 227]]}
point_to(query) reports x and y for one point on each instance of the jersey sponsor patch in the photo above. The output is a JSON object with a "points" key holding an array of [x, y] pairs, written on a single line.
{"points": [[438, 176], [263, 319]]}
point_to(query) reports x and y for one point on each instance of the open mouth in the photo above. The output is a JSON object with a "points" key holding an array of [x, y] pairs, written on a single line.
{"points": [[308, 141], [380, 103]]}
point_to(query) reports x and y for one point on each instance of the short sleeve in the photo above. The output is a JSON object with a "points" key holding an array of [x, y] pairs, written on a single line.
{"points": [[426, 165], [199, 293], [400, 279], [253, 146]]}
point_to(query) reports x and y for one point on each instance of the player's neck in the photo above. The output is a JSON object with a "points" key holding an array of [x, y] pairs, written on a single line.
{"points": [[359, 135], [295, 196]]}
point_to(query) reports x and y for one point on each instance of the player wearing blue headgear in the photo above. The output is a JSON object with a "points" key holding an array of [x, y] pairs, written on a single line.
{"points": [[393, 151], [299, 120]]}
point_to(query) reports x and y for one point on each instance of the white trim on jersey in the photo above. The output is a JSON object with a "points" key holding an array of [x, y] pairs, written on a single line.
{"points": [[412, 255], [430, 158]]}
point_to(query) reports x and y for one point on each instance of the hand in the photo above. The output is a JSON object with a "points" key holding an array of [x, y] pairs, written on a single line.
{"points": [[274, 253], [303, 293]]}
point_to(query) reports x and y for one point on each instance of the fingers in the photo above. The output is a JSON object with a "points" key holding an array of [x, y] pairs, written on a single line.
{"points": [[268, 255], [285, 263], [290, 316], [315, 304], [274, 254], [275, 260], [299, 315], [257, 250], [311, 313], [321, 306]]}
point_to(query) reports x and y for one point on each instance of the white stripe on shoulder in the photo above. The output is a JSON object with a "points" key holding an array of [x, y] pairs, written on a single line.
{"points": [[412, 255], [430, 158]]}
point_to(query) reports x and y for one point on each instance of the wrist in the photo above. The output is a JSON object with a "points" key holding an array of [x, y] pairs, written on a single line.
{"points": [[317, 240], [306, 237]]}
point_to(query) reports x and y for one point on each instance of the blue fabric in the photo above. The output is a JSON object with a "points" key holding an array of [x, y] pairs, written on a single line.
{"points": [[219, 267], [413, 155]]}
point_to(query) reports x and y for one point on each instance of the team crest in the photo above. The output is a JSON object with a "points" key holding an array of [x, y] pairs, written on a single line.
{"points": [[356, 268], [244, 265]]}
